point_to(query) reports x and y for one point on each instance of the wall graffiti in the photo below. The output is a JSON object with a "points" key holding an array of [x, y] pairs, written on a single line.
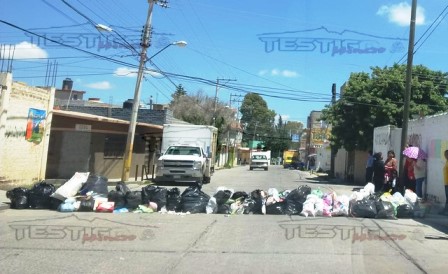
{"points": [[15, 132], [437, 147], [382, 138]]}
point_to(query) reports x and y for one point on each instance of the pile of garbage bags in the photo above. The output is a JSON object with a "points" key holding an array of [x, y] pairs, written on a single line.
{"points": [[89, 193]]}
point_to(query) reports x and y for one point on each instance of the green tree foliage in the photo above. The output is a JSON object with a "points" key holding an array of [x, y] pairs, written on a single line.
{"points": [[281, 137], [376, 99], [180, 91], [257, 119]]}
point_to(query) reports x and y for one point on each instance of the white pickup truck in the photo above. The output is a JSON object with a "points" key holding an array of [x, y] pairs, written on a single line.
{"points": [[184, 163], [188, 154]]}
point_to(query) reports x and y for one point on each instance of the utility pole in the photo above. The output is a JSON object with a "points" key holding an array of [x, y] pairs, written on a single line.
{"points": [[332, 149], [216, 97], [407, 95], [237, 120], [135, 106]]}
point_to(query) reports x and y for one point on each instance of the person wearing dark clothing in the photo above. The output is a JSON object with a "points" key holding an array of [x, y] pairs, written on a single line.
{"points": [[369, 167], [378, 171]]}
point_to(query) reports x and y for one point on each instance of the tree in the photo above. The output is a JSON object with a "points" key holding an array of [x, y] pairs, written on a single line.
{"points": [[257, 119], [376, 99], [180, 91], [199, 109]]}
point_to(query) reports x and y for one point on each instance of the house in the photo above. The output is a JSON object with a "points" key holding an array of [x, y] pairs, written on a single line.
{"points": [[39, 142]]}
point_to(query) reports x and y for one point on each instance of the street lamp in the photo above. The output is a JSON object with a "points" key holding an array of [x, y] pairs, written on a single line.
{"points": [[101, 27], [133, 122]]}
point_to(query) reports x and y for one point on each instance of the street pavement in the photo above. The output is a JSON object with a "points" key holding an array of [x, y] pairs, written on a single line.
{"points": [[432, 218], [36, 241]]}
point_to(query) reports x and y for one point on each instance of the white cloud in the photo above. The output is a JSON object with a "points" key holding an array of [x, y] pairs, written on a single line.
{"points": [[277, 72], [262, 72], [125, 72], [289, 73], [24, 50], [400, 14], [285, 117], [100, 85]]}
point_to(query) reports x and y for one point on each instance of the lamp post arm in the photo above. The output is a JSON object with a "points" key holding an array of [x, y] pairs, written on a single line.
{"points": [[157, 53]]}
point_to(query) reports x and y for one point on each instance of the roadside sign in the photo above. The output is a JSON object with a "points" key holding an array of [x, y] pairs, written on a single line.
{"points": [[295, 138]]}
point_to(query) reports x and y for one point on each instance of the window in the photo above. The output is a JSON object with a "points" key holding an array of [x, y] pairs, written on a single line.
{"points": [[114, 146], [183, 150]]}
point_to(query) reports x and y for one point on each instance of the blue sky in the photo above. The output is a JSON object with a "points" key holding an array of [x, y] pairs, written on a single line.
{"points": [[291, 51]]}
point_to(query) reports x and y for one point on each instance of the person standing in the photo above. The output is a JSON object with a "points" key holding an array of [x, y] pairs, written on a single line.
{"points": [[409, 182], [445, 181], [420, 175], [391, 169], [378, 171], [369, 167]]}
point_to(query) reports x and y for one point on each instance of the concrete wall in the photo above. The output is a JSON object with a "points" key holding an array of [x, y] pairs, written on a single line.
{"points": [[351, 166], [431, 134], [22, 162]]}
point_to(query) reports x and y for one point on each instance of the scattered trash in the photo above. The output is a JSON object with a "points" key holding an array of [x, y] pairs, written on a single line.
{"points": [[88, 193]]}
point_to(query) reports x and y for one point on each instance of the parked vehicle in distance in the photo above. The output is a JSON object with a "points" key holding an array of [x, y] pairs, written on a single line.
{"points": [[259, 161], [290, 156]]}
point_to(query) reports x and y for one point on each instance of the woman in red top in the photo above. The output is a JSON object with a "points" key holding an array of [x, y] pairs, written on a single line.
{"points": [[390, 166], [409, 180]]}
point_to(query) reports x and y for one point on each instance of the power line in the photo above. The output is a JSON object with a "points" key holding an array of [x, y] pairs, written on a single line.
{"points": [[430, 26]]}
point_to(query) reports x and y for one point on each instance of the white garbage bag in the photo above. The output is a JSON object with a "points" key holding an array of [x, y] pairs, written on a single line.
{"points": [[71, 187]]}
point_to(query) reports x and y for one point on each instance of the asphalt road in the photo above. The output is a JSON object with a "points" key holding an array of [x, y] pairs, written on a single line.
{"points": [[43, 241]]}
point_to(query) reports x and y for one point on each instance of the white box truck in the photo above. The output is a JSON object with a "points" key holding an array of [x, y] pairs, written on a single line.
{"points": [[188, 154]]}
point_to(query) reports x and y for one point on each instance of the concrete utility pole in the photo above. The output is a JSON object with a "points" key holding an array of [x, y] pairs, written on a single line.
{"points": [[216, 97], [332, 149], [135, 106], [407, 95]]}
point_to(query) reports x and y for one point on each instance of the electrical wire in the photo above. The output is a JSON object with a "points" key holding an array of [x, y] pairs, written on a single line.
{"points": [[430, 26]]}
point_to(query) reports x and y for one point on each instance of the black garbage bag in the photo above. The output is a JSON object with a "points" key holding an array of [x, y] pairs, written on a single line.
{"points": [[222, 196], [249, 206], [118, 197], [405, 211], [385, 210], [122, 187], [256, 204], [365, 208], [295, 199], [39, 195], [133, 199], [55, 203], [18, 197], [173, 199], [95, 183], [154, 194], [239, 195], [224, 209], [86, 204], [194, 200], [275, 208]]}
